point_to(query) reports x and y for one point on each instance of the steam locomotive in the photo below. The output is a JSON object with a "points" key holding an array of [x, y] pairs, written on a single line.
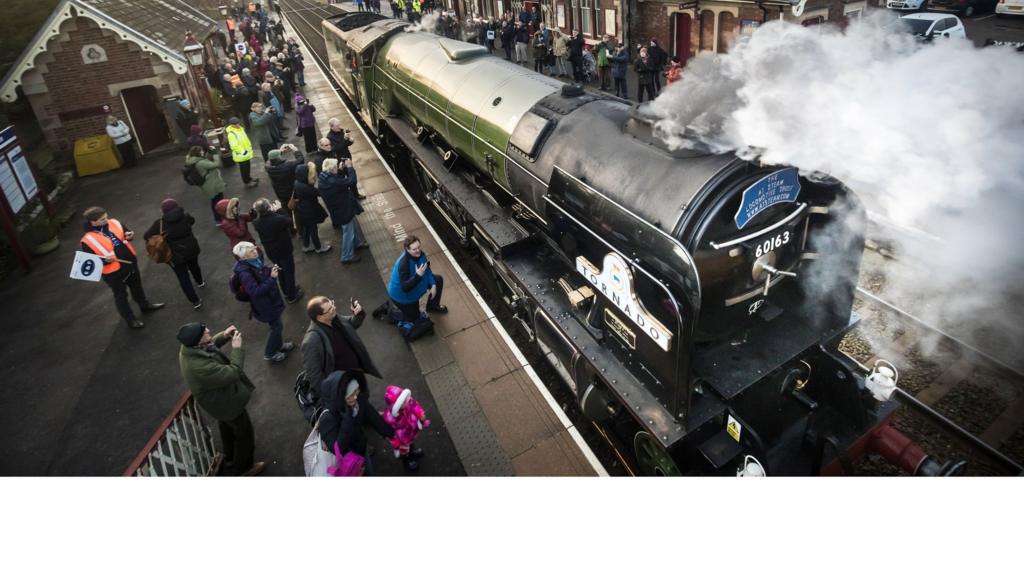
{"points": [[692, 302]]}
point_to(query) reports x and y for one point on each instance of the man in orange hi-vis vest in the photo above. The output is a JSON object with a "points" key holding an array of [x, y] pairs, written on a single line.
{"points": [[108, 239]]}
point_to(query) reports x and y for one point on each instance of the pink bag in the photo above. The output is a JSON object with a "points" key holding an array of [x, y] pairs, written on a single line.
{"points": [[351, 464]]}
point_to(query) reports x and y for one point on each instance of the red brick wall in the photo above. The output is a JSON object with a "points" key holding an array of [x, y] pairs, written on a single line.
{"points": [[654, 23], [73, 85]]}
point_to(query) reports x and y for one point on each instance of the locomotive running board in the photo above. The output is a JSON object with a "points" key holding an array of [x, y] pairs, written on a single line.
{"points": [[496, 222]]}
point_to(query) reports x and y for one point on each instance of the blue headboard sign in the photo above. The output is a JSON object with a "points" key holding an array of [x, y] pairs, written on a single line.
{"points": [[780, 186]]}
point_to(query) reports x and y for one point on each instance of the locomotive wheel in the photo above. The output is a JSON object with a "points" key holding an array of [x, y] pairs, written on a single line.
{"points": [[651, 459]]}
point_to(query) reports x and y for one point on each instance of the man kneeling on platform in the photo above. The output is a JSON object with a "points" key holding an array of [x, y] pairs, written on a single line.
{"points": [[411, 279]]}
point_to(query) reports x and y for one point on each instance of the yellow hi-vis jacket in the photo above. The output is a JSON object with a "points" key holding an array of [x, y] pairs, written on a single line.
{"points": [[241, 147]]}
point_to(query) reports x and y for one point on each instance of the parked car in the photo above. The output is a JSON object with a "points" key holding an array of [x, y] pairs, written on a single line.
{"points": [[929, 25], [966, 8], [1010, 8], [906, 4]]}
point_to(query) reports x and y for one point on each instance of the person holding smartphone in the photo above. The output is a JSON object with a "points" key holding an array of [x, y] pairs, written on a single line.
{"points": [[411, 279], [220, 386]]}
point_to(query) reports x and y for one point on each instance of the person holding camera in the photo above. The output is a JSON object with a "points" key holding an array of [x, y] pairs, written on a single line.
{"points": [[340, 139], [262, 120], [274, 226], [337, 185], [332, 344], [222, 389], [258, 282], [411, 278], [208, 163]]}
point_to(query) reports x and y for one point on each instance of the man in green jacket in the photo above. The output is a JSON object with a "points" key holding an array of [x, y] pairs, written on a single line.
{"points": [[208, 164], [222, 389], [261, 119]]}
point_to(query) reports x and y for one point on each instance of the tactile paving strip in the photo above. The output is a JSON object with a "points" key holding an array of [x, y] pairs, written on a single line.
{"points": [[471, 433], [478, 447]]}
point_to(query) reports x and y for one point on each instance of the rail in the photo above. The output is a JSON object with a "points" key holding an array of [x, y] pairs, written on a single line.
{"points": [[181, 446]]}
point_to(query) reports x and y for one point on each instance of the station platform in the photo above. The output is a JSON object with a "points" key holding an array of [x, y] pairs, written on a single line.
{"points": [[501, 418], [82, 393]]}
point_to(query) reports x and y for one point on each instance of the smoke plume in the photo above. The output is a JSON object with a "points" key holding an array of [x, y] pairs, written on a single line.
{"points": [[929, 134]]}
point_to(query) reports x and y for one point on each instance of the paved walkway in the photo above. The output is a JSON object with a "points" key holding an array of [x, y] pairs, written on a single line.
{"points": [[501, 418]]}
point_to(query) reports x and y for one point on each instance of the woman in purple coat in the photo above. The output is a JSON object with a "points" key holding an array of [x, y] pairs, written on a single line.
{"points": [[307, 122], [259, 284]]}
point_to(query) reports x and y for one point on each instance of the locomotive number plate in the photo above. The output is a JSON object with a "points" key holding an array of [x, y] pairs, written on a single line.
{"points": [[619, 329]]}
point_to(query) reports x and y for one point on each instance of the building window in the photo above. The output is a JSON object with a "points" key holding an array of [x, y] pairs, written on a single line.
{"points": [[585, 17]]}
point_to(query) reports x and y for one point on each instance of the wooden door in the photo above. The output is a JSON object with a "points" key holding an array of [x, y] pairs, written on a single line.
{"points": [[681, 47], [147, 119]]}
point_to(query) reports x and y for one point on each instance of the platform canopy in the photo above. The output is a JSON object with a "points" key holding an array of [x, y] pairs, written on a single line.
{"points": [[158, 27]]}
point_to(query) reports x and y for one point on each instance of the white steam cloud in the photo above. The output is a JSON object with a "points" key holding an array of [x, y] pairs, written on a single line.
{"points": [[929, 135]]}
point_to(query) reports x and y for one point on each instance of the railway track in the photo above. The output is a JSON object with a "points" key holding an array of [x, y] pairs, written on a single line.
{"points": [[950, 377]]}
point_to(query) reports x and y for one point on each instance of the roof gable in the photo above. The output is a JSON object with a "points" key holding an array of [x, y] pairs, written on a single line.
{"points": [[156, 26]]}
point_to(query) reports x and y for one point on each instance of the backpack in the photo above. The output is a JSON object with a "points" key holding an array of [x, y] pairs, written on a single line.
{"points": [[192, 175], [307, 399], [157, 247], [238, 289]]}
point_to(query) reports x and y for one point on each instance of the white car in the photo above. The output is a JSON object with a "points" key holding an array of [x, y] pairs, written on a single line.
{"points": [[905, 4], [928, 25], [1010, 8]]}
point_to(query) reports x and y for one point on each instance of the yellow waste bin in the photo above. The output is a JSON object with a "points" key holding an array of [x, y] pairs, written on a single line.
{"points": [[95, 155]]}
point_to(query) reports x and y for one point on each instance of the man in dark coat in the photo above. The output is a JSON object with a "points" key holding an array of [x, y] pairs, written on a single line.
{"points": [[275, 230], [575, 45], [222, 389], [323, 152], [282, 173], [331, 342], [658, 60], [339, 137]]}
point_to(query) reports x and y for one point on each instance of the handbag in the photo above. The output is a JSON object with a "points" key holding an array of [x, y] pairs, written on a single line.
{"points": [[157, 247], [315, 458], [293, 203]]}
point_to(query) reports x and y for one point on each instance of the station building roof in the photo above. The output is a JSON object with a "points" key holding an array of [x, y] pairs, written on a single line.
{"points": [[156, 26]]}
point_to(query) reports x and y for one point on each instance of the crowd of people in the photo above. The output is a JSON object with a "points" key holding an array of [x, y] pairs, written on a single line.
{"points": [[528, 40], [263, 78], [308, 189]]}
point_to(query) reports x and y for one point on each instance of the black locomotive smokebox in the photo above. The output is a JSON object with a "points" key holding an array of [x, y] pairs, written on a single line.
{"points": [[572, 90]]}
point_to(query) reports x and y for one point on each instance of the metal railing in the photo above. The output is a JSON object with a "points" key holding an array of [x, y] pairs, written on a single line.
{"points": [[181, 446]]}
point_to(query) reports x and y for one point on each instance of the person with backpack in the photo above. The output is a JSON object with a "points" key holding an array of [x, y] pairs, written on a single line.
{"points": [[308, 211], [241, 150], [254, 282], [175, 228], [331, 343], [234, 223], [274, 226], [222, 389], [411, 278], [202, 169]]}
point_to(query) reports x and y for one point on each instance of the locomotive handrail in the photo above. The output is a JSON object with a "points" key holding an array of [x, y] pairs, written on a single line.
{"points": [[780, 223]]}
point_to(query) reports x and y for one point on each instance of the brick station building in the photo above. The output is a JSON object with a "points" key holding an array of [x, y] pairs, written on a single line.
{"points": [[91, 56], [683, 29]]}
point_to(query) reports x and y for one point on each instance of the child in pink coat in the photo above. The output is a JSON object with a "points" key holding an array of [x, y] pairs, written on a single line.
{"points": [[407, 417]]}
